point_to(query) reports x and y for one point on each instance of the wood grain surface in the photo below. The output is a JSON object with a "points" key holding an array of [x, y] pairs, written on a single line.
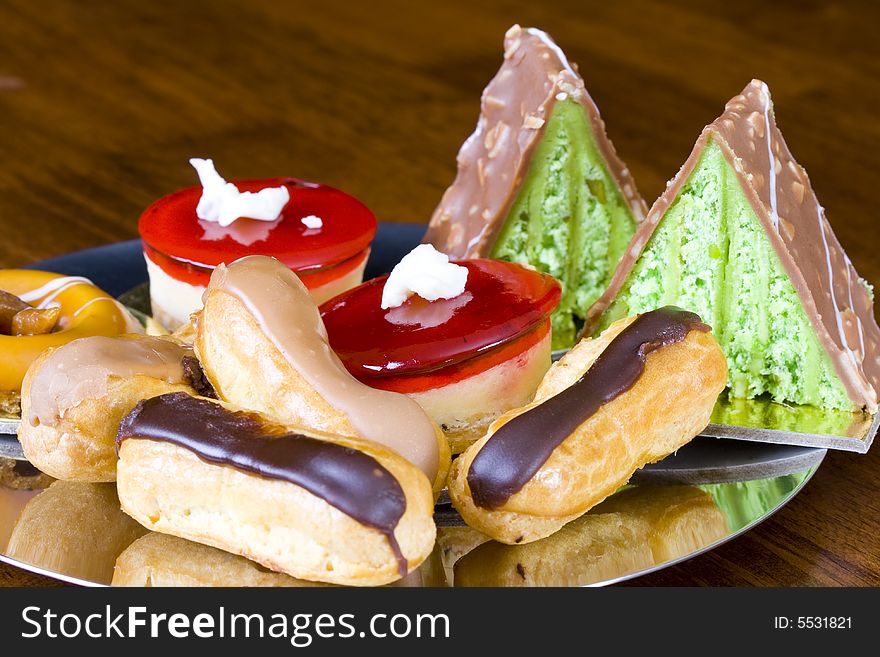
{"points": [[101, 104]]}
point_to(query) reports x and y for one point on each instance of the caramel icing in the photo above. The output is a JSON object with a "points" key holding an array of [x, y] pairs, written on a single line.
{"points": [[494, 160], [286, 313], [82, 369], [835, 298]]}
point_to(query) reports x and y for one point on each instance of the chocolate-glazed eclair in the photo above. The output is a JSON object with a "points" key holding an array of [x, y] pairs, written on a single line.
{"points": [[75, 396], [632, 396], [313, 505], [263, 345]]}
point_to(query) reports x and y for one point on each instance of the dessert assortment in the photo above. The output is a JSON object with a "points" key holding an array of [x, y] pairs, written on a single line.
{"points": [[263, 346], [300, 420]]}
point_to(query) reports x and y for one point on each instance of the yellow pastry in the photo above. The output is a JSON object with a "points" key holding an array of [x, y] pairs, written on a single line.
{"points": [[82, 310]]}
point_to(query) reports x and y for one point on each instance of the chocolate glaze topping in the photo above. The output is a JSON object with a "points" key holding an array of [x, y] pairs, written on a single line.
{"points": [[351, 481], [494, 160], [515, 452], [834, 296]]}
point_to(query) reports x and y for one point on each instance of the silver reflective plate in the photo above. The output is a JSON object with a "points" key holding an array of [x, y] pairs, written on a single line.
{"points": [[75, 532], [762, 420]]}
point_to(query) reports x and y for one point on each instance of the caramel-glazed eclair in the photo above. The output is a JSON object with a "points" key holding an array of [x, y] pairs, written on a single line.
{"points": [[313, 505], [263, 346], [632, 396], [75, 396]]}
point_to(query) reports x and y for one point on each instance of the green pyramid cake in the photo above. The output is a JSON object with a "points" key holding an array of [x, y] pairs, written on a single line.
{"points": [[539, 181], [739, 237]]}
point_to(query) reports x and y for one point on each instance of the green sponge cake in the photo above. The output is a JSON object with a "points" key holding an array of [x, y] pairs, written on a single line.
{"points": [[739, 238], [573, 231], [539, 181]]}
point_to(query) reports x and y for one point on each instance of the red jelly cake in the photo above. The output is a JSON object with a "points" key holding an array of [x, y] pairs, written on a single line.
{"points": [[321, 233], [466, 358]]}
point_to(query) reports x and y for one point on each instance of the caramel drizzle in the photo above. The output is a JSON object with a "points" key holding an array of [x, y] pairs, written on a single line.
{"points": [[518, 449]]}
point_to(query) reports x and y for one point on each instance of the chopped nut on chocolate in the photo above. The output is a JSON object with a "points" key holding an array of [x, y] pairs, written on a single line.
{"points": [[35, 321], [10, 404], [195, 376], [10, 305]]}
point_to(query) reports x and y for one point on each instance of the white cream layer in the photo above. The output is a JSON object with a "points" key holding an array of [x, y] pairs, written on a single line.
{"points": [[174, 300]]}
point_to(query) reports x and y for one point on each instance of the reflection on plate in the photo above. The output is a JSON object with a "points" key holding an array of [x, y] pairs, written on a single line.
{"points": [[162, 560], [76, 532], [73, 528], [766, 421], [635, 531]]}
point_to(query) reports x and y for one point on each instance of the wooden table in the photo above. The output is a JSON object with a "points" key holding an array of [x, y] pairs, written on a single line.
{"points": [[101, 104]]}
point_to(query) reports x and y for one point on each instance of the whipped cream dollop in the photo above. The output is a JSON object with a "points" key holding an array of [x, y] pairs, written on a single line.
{"points": [[223, 203], [426, 272], [312, 221]]}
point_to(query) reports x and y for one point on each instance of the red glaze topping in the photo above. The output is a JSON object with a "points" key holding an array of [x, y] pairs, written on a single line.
{"points": [[505, 353], [501, 302], [311, 278], [171, 227]]}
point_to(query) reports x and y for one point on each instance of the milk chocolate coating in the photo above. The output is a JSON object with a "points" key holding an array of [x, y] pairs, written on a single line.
{"points": [[518, 449], [836, 300], [351, 481], [494, 160]]}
